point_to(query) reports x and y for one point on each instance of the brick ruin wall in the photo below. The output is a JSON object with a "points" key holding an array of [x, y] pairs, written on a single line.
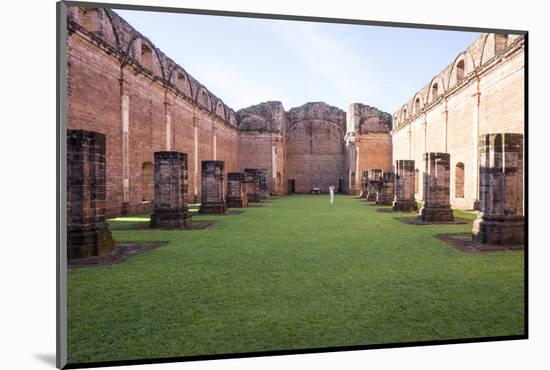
{"points": [[368, 143], [262, 130], [315, 146], [480, 92], [121, 85]]}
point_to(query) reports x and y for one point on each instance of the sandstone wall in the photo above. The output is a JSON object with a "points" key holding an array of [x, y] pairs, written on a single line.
{"points": [[315, 146], [121, 85], [481, 91], [261, 142], [368, 143]]}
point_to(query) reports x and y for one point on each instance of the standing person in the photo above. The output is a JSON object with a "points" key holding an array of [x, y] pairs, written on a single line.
{"points": [[331, 191]]}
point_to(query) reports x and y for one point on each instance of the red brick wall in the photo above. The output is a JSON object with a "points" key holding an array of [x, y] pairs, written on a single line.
{"points": [[315, 146], [488, 100], [97, 80]]}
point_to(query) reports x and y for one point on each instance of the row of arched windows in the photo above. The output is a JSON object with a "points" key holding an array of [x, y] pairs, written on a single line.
{"points": [[455, 76]]}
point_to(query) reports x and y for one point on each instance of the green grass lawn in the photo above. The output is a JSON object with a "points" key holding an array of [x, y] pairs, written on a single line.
{"points": [[294, 273]]}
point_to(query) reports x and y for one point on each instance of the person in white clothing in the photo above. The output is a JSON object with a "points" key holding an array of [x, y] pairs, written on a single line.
{"points": [[331, 191]]}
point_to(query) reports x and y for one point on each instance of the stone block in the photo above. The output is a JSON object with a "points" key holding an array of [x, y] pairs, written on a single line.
{"points": [[88, 234], [236, 193], [170, 205], [437, 188], [404, 186], [263, 175], [252, 184], [212, 180], [501, 220], [373, 178], [386, 189]]}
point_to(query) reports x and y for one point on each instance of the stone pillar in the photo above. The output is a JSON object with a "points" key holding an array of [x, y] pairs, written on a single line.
{"points": [[213, 197], [87, 230], [236, 194], [386, 193], [252, 184], [500, 220], [264, 183], [373, 177], [404, 186], [437, 188], [364, 185], [170, 207]]}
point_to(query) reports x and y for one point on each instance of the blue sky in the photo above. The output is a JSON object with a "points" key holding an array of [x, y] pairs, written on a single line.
{"points": [[247, 61]]}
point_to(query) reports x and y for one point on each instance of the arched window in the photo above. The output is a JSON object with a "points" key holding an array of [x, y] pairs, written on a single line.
{"points": [[501, 41], [404, 114], [416, 181], [460, 71], [204, 101], [435, 91], [220, 110], [181, 81], [147, 182], [146, 57], [417, 106], [459, 180]]}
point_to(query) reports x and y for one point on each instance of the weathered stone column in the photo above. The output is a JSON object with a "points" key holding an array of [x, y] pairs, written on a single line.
{"points": [[373, 178], [386, 193], [170, 207], [236, 194], [213, 197], [404, 186], [87, 230], [501, 219], [252, 184], [364, 185], [437, 188], [264, 183]]}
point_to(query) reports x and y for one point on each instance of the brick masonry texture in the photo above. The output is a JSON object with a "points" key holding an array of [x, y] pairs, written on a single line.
{"points": [[374, 175], [87, 230], [315, 146], [252, 184], [480, 92], [404, 186], [121, 85], [236, 194], [263, 179], [501, 218], [436, 185], [170, 206], [213, 188], [386, 189]]}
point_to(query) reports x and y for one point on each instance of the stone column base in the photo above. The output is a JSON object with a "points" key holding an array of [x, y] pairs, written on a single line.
{"points": [[371, 196], [236, 203], [253, 198], [443, 214], [505, 230], [385, 201], [89, 240], [170, 219], [404, 205], [217, 208]]}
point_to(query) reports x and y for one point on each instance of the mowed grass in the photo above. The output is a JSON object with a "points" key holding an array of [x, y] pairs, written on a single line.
{"points": [[294, 273]]}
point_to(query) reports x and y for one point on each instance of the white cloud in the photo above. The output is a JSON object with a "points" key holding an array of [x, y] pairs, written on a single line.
{"points": [[230, 84], [346, 70]]}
